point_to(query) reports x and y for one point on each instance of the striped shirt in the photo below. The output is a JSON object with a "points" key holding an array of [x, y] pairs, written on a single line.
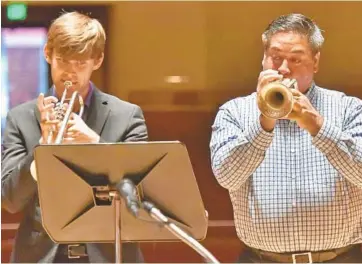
{"points": [[290, 191]]}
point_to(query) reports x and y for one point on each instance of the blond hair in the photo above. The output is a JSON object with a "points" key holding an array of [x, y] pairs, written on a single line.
{"points": [[76, 34]]}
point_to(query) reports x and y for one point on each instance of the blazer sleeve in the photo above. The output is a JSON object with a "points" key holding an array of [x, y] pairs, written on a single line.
{"points": [[17, 185], [137, 129]]}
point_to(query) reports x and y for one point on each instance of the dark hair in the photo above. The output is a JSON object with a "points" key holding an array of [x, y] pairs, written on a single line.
{"points": [[296, 23]]}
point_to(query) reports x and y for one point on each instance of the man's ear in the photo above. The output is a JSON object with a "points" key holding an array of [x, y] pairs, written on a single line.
{"points": [[264, 56], [263, 61], [98, 62], [47, 54], [316, 62]]}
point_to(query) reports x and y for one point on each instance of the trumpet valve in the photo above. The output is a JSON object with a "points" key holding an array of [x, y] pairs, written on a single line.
{"points": [[59, 111]]}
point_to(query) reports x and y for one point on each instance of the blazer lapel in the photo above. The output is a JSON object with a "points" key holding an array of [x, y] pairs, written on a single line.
{"points": [[98, 111]]}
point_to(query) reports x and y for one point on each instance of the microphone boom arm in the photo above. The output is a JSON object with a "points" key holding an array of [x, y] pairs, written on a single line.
{"points": [[178, 232], [128, 192]]}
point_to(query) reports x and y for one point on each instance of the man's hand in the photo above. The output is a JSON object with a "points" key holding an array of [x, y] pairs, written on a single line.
{"points": [[306, 116], [78, 132], [46, 107], [266, 77]]}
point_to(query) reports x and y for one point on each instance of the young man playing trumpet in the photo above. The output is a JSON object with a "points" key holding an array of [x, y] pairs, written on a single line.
{"points": [[74, 49], [295, 182]]}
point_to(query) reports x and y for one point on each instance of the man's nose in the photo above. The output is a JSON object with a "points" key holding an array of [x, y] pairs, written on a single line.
{"points": [[284, 68]]}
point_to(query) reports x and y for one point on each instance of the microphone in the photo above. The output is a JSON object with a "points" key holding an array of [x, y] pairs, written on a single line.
{"points": [[128, 191]]}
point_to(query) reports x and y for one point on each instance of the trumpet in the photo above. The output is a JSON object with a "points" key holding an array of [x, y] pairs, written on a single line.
{"points": [[276, 100], [62, 114]]}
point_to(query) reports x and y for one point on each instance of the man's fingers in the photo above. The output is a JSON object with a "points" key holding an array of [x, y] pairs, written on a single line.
{"points": [[268, 79], [293, 115], [52, 123], [297, 107], [72, 129], [70, 124], [69, 140], [72, 134], [40, 102], [50, 99], [296, 93], [43, 101], [48, 113], [47, 117], [45, 106], [268, 72], [48, 107]]}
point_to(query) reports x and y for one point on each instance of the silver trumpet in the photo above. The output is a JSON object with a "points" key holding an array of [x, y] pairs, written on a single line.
{"points": [[62, 114]]}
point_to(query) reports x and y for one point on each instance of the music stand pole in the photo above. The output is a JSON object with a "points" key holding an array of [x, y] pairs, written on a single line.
{"points": [[117, 214], [117, 205]]}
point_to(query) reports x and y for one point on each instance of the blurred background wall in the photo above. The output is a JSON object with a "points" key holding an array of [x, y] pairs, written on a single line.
{"points": [[179, 61]]}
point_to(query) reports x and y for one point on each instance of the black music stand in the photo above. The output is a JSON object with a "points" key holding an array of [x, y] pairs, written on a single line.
{"points": [[80, 204]]}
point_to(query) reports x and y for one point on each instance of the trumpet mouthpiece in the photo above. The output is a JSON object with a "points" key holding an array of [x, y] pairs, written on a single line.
{"points": [[67, 84]]}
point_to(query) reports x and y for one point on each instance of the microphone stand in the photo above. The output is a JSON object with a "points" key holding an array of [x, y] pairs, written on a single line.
{"points": [[127, 190], [156, 214]]}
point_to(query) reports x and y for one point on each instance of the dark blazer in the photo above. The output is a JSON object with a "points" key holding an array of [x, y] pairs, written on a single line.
{"points": [[111, 118]]}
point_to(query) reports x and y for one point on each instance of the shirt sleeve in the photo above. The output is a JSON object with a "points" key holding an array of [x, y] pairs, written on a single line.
{"points": [[343, 146], [236, 149]]}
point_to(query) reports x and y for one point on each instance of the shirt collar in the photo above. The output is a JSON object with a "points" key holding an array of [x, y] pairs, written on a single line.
{"points": [[311, 91], [89, 95]]}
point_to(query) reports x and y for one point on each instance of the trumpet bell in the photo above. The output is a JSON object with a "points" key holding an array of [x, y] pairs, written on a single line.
{"points": [[275, 100]]}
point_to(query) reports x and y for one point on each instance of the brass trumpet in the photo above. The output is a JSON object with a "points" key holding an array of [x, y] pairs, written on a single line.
{"points": [[275, 100], [63, 116]]}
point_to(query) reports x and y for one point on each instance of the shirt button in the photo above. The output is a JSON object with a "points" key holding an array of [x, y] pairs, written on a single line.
{"points": [[292, 150], [294, 203]]}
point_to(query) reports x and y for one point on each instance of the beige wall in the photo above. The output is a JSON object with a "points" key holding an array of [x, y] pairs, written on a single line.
{"points": [[217, 45], [149, 41]]}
